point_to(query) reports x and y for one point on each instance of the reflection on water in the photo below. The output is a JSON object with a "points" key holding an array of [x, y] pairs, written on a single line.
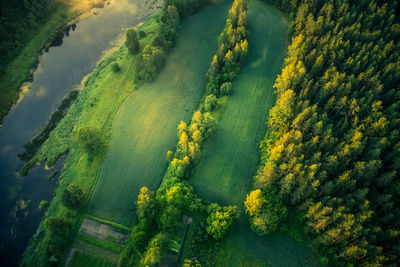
{"points": [[73, 55]]}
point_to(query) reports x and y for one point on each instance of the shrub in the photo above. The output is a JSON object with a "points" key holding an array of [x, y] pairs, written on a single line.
{"points": [[220, 219], [226, 88], [142, 34], [43, 204], [90, 140], [115, 67], [154, 251], [73, 197], [210, 102], [132, 41]]}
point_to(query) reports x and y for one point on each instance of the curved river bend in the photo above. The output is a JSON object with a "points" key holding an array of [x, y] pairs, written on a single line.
{"points": [[60, 70]]}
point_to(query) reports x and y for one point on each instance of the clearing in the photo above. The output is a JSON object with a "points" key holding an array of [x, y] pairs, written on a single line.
{"points": [[145, 126], [231, 156]]}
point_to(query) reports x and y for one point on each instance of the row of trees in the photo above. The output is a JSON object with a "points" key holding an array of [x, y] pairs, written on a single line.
{"points": [[152, 57], [190, 139], [163, 210], [232, 51], [161, 213], [332, 150]]}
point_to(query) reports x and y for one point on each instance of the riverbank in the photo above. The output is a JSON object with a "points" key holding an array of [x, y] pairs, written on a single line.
{"points": [[21, 69], [93, 111]]}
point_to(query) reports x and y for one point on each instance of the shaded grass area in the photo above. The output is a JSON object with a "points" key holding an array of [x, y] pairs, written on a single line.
{"points": [[231, 155], [145, 126], [82, 259], [114, 224], [100, 243], [103, 93], [109, 258]]}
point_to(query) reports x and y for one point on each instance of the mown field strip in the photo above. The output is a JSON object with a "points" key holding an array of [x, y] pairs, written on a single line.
{"points": [[145, 126], [230, 158]]}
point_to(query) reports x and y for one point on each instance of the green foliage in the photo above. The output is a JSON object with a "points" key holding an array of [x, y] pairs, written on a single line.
{"points": [[82, 259], [170, 155], [333, 155], [57, 226], [73, 197], [232, 51], [58, 230], [210, 102], [170, 217], [154, 251], [146, 204], [150, 62], [20, 20], [132, 41], [220, 219], [266, 211], [226, 88], [90, 140], [191, 263], [115, 67], [138, 239], [43, 204]]}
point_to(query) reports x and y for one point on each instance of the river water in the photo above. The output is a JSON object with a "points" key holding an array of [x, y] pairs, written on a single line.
{"points": [[73, 55]]}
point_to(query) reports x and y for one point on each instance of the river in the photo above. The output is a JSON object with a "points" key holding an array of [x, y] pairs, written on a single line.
{"points": [[62, 67]]}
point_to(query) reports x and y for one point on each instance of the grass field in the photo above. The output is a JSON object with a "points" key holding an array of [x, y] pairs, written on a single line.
{"points": [[145, 126], [80, 259], [231, 155]]}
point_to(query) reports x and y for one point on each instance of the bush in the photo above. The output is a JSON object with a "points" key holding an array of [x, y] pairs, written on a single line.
{"points": [[115, 67], [43, 204], [132, 41], [73, 197], [90, 140], [226, 88], [155, 250], [220, 219], [158, 41], [210, 102], [150, 62], [142, 34]]}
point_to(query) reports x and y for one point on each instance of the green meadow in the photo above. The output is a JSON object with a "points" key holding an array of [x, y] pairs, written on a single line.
{"points": [[144, 128], [231, 156]]}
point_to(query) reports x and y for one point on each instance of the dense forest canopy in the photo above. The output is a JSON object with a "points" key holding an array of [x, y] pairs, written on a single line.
{"points": [[332, 151], [19, 19]]}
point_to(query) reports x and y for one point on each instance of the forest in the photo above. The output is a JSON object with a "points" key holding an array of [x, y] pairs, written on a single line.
{"points": [[18, 22], [143, 139], [331, 152]]}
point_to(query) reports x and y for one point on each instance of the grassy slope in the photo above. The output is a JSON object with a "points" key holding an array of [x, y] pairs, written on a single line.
{"points": [[231, 156], [145, 126], [18, 70], [96, 106]]}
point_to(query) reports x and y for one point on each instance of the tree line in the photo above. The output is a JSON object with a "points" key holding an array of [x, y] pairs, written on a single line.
{"points": [[152, 57], [232, 52], [161, 213], [332, 149]]}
